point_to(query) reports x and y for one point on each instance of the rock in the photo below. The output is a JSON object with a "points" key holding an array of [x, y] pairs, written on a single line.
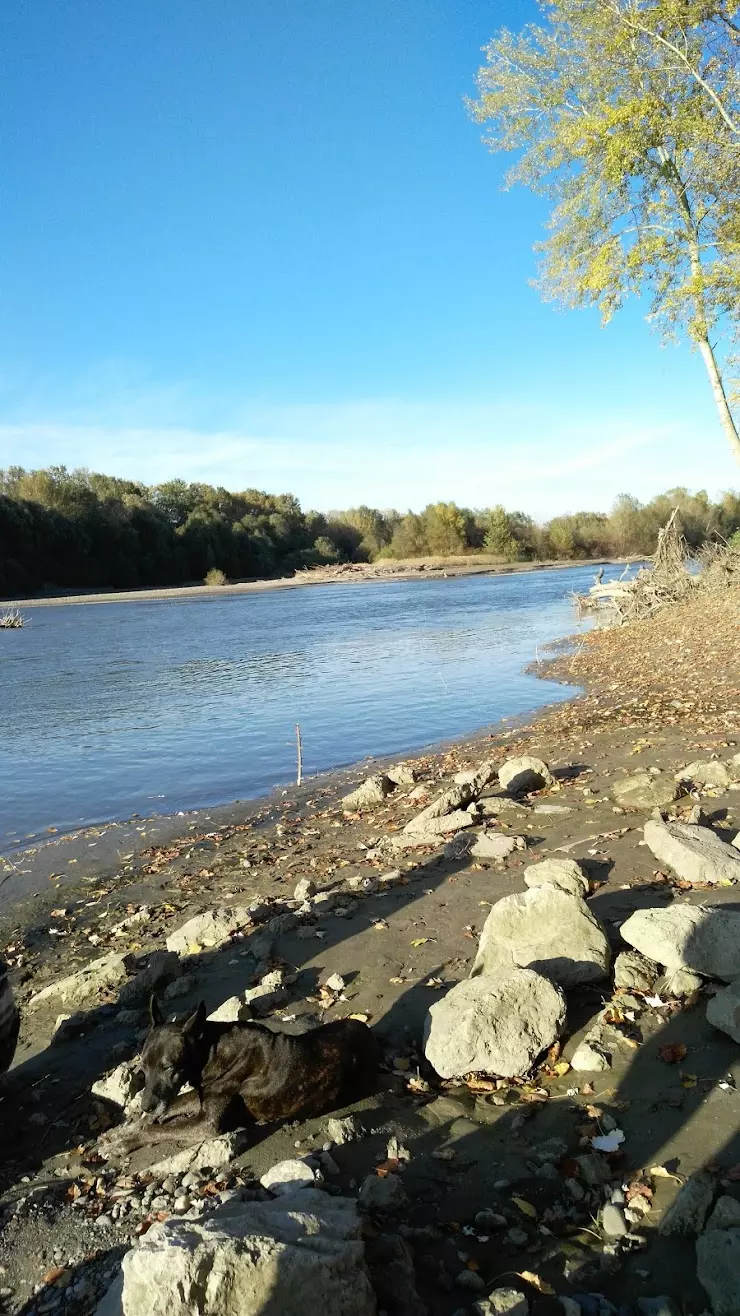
{"points": [[494, 845], [493, 806], [99, 975], [705, 939], [374, 790], [564, 874], [230, 1011], [588, 1058], [363, 884], [488, 1220], [305, 889], [253, 1257], [726, 1214], [723, 1011], [158, 969], [644, 790], [493, 1025], [707, 772], [479, 777], [690, 1206], [678, 983], [662, 1306], [546, 930], [634, 972], [553, 809], [455, 821], [470, 1280], [502, 1302], [121, 1085], [695, 854], [386, 1194], [718, 1269], [594, 1169], [391, 1265], [518, 776], [613, 1221], [270, 993], [179, 987], [335, 982], [69, 1026], [211, 1155], [402, 774], [212, 928], [344, 1130], [288, 1177], [452, 800]]}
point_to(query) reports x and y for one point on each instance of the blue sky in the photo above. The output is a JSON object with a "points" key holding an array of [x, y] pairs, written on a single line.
{"points": [[259, 242]]}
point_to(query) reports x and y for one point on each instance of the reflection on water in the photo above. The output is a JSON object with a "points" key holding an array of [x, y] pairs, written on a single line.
{"points": [[113, 709]]}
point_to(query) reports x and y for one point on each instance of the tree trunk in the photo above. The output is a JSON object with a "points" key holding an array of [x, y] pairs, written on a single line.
{"points": [[720, 397]]}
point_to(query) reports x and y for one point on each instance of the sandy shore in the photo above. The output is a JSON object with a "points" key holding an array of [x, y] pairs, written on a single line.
{"points": [[358, 573], [658, 695]]}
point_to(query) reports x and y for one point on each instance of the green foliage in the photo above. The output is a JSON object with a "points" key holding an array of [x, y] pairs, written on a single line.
{"points": [[499, 539], [626, 115]]}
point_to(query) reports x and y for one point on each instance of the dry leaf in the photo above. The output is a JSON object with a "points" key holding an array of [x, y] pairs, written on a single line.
{"points": [[420, 941], [673, 1053], [526, 1208], [540, 1285], [688, 1080]]}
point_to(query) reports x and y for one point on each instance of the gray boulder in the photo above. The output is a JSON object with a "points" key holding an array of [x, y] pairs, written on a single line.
{"points": [[479, 777], [723, 1011], [153, 971], [502, 1302], [718, 1269], [643, 790], [493, 1025], [726, 1214], [694, 853], [634, 972], [211, 928], [288, 1177], [441, 826], [402, 774], [251, 1259], [98, 976], [704, 939], [523, 774], [450, 801], [494, 845], [382, 1194], [372, 791], [690, 1207], [678, 983], [565, 874], [546, 930], [589, 1058], [706, 772], [121, 1085]]}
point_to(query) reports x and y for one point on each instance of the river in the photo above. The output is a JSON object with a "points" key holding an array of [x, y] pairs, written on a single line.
{"points": [[161, 705]]}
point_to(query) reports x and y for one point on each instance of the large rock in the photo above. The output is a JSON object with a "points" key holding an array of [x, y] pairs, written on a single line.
{"points": [[546, 930], [565, 874], [519, 775], [281, 1257], [152, 972], [705, 939], [455, 821], [121, 1085], [372, 791], [98, 976], [450, 801], [707, 772], [695, 854], [644, 790], [212, 928], [690, 1207], [718, 1269], [493, 1025], [494, 845], [209, 1155], [723, 1011], [634, 972]]}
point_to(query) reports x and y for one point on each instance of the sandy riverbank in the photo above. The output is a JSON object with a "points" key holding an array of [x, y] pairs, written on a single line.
{"points": [[659, 695], [357, 573]]}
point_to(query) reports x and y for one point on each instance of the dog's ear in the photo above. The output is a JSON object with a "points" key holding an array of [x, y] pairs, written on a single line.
{"points": [[193, 1027], [155, 1013]]}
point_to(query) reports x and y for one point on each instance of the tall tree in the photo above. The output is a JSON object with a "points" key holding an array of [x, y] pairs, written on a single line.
{"points": [[626, 113]]}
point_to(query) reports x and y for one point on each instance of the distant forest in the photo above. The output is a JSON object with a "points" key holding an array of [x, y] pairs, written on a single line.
{"points": [[63, 529]]}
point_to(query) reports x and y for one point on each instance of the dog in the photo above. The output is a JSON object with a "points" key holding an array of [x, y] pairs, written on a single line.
{"points": [[10, 1020], [244, 1073]]}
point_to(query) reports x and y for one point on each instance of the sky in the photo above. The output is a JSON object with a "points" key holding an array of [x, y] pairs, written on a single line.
{"points": [[260, 243]]}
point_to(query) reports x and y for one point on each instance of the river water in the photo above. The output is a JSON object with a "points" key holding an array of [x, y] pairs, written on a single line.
{"points": [[152, 707]]}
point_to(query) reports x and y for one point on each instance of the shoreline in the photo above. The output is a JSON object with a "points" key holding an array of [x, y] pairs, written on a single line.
{"points": [[351, 574]]}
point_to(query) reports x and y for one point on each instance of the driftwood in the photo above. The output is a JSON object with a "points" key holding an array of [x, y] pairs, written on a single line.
{"points": [[673, 573]]}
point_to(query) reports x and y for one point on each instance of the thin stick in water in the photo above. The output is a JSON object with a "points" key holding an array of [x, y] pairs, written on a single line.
{"points": [[299, 753]]}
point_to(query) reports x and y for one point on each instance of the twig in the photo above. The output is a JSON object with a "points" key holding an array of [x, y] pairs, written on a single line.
{"points": [[299, 753]]}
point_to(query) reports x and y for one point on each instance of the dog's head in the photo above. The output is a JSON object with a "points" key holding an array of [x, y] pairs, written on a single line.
{"points": [[170, 1058]]}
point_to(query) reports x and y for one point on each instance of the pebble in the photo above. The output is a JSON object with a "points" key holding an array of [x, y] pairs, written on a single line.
{"points": [[488, 1219], [470, 1280], [613, 1222], [517, 1237], [182, 1204]]}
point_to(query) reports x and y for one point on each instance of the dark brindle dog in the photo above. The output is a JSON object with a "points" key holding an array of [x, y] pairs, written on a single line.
{"points": [[243, 1072]]}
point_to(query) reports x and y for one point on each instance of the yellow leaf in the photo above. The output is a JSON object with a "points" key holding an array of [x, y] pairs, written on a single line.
{"points": [[688, 1080], [540, 1285], [526, 1208], [363, 1018], [420, 941], [562, 1067], [397, 982], [194, 948]]}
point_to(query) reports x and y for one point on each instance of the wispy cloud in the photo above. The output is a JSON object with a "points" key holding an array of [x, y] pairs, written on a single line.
{"points": [[387, 452]]}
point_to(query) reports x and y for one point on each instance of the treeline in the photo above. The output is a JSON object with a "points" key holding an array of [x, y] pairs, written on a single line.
{"points": [[63, 529]]}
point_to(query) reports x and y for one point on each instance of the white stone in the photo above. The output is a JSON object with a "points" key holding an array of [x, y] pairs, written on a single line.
{"points": [[565, 874], [523, 774], [493, 1025], [502, 1302], [211, 1155], [121, 1085], [374, 790], [98, 976], [644, 790], [706, 772], [546, 930], [695, 854], [634, 972], [723, 1011], [493, 845], [705, 939], [301, 1252], [588, 1058], [212, 928], [288, 1177]]}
